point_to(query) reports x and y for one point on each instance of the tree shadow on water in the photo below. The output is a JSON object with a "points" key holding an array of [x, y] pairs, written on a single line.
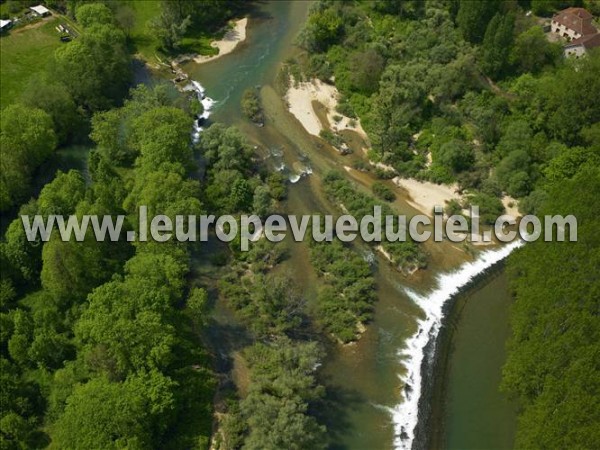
{"points": [[332, 411]]}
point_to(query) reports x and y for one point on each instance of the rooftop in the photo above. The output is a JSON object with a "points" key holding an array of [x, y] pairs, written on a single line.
{"points": [[589, 41], [40, 9], [576, 19]]}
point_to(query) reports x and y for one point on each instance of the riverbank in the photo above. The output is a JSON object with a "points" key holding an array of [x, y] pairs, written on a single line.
{"points": [[300, 98], [226, 45], [424, 195]]}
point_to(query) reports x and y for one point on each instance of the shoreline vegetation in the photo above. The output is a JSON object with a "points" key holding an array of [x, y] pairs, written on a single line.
{"points": [[300, 97], [303, 99], [226, 45]]}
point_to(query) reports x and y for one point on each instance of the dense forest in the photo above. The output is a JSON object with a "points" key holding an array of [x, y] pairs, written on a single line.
{"points": [[101, 341], [554, 352], [478, 88]]}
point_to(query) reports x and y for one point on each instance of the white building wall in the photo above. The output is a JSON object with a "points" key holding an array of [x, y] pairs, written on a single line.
{"points": [[576, 51], [564, 31]]}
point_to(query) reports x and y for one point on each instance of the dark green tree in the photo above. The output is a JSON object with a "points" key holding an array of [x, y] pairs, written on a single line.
{"points": [[497, 44], [473, 18], [27, 139]]}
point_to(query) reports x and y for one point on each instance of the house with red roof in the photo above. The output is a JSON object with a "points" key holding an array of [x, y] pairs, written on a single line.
{"points": [[575, 25], [580, 46]]}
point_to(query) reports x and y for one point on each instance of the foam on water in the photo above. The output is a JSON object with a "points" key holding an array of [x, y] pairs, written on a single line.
{"points": [[294, 178], [276, 153], [207, 104], [302, 172], [405, 414]]}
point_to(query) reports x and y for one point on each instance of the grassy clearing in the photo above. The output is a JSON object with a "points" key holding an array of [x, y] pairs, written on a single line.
{"points": [[147, 45], [23, 53], [144, 41], [199, 43]]}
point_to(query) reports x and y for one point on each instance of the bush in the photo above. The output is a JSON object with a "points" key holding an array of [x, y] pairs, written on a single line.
{"points": [[345, 108], [361, 166], [383, 192], [251, 106], [346, 298], [490, 208], [453, 207], [384, 174], [333, 138]]}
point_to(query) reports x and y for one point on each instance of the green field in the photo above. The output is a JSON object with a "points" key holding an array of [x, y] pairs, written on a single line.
{"points": [[23, 53]]}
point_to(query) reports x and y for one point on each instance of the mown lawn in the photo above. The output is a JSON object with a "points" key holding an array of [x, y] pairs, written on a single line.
{"points": [[23, 53]]}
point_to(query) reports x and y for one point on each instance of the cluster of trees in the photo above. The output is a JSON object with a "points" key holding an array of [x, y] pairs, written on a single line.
{"points": [[405, 255], [234, 183], [420, 79], [95, 68], [277, 409], [96, 347], [382, 191], [28, 139], [251, 106], [270, 305], [553, 363], [180, 17], [90, 74], [345, 300], [547, 8], [275, 413]]}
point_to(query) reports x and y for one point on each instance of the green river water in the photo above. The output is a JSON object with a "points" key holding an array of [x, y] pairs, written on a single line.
{"points": [[476, 415], [363, 378]]}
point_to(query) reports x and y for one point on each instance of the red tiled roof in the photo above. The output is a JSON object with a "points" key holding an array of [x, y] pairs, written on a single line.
{"points": [[580, 12], [589, 41], [576, 19]]}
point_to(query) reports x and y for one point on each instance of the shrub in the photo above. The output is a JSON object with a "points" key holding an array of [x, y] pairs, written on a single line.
{"points": [[251, 106], [383, 192]]}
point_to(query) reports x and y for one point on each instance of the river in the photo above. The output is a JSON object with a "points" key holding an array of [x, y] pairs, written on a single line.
{"points": [[366, 381], [473, 414]]}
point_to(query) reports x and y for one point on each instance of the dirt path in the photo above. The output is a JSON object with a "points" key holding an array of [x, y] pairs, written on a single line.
{"points": [[31, 26], [496, 89]]}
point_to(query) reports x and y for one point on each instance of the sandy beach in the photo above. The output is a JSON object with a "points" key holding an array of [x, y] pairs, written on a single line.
{"points": [[300, 97], [228, 43], [425, 195]]}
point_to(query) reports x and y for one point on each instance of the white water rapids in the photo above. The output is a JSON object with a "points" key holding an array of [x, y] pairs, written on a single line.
{"points": [[295, 175], [405, 415], [207, 105]]}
